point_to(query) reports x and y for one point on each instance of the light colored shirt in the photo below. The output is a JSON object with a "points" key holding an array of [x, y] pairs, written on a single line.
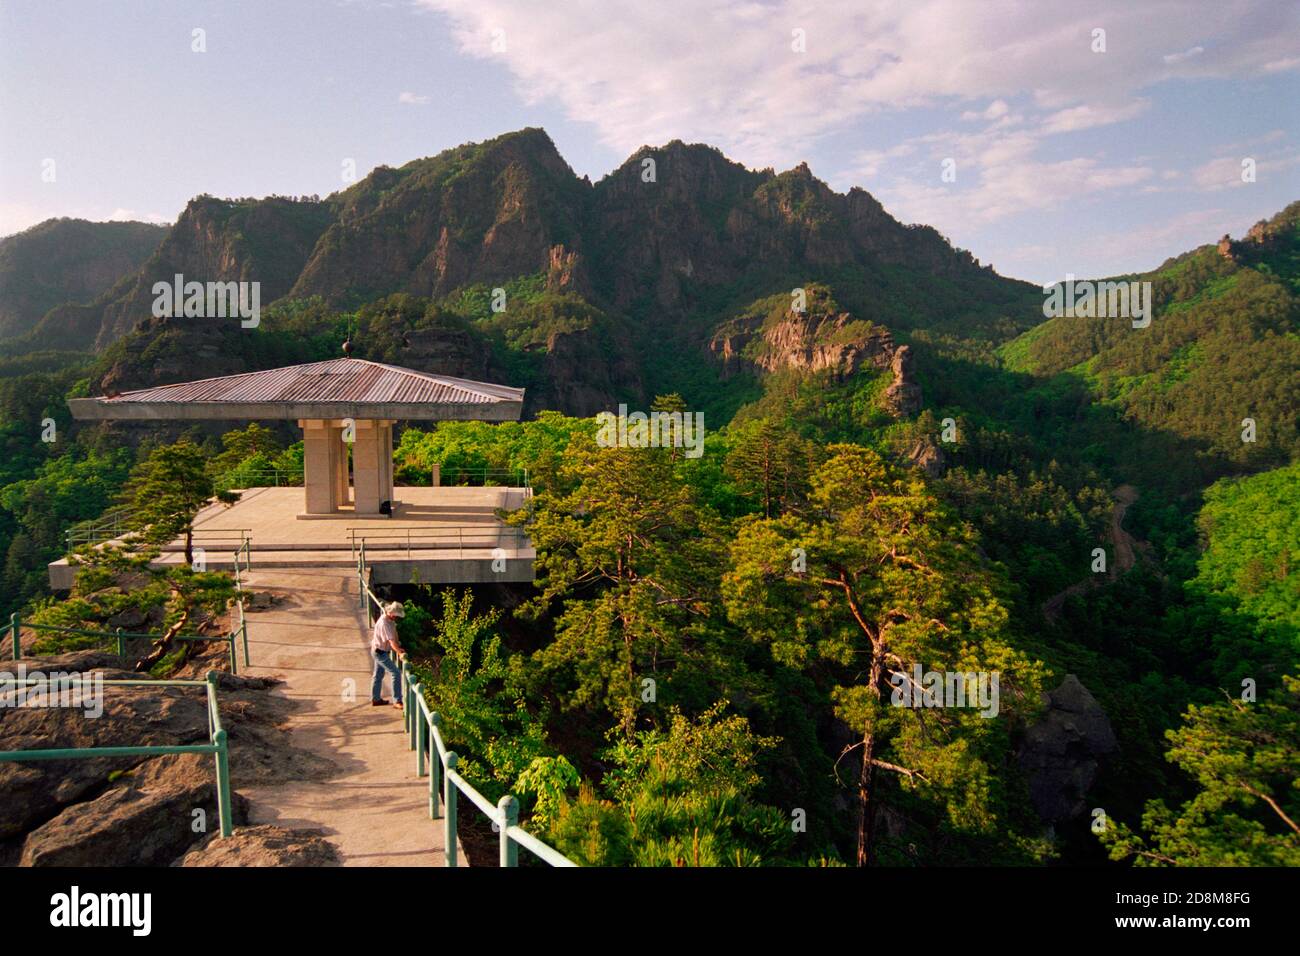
{"points": [[384, 635]]}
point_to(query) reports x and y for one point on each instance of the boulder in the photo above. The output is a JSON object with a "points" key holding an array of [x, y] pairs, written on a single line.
{"points": [[148, 822], [1062, 752], [37, 791], [106, 810], [928, 457], [263, 845]]}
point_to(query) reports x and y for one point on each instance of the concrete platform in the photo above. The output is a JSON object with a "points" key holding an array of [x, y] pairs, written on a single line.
{"points": [[444, 535]]}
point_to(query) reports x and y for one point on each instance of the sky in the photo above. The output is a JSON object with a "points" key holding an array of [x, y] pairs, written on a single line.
{"points": [[1092, 137]]}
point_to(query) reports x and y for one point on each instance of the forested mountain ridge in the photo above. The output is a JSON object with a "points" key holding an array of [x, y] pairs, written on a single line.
{"points": [[1223, 346], [66, 260], [214, 240], [675, 232]]}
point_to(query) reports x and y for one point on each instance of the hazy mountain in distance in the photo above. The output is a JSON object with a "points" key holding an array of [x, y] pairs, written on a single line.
{"points": [[66, 260]]}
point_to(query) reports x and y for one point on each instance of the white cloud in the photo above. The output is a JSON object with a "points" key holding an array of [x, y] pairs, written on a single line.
{"points": [[1225, 172], [1086, 116], [1185, 55], [724, 71], [996, 110], [130, 215], [413, 99], [1282, 65]]}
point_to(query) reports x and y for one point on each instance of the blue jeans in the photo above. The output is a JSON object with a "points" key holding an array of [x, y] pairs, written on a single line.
{"points": [[384, 662]]}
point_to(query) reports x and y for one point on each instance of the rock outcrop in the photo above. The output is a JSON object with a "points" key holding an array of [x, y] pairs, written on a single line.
{"points": [[135, 811], [809, 342], [813, 341], [1062, 752], [903, 396], [263, 845], [927, 456], [147, 822]]}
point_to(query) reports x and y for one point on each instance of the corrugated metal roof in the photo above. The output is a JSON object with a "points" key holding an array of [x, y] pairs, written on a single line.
{"points": [[345, 380]]}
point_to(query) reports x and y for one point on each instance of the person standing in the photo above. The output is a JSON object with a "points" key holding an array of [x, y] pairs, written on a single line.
{"points": [[387, 650]]}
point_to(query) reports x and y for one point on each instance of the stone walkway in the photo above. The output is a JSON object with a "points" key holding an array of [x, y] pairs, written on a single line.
{"points": [[375, 809]]}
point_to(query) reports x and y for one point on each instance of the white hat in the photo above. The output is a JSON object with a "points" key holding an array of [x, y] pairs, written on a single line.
{"points": [[394, 609]]}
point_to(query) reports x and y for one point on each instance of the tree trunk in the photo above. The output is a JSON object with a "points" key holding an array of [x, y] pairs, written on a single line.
{"points": [[162, 645], [189, 547], [866, 776]]}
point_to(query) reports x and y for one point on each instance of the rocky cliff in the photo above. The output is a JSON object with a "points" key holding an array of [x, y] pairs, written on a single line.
{"points": [[660, 250], [767, 338], [214, 240]]}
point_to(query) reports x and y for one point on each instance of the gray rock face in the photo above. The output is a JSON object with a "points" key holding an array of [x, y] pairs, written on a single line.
{"points": [[928, 457], [37, 791], [1061, 753], [808, 342]]}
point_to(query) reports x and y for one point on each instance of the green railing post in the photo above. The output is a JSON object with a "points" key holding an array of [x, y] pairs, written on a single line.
{"points": [[223, 783], [121, 645], [435, 766], [243, 627], [421, 730], [361, 580], [15, 631], [509, 808], [234, 656], [401, 692], [223, 763], [449, 818]]}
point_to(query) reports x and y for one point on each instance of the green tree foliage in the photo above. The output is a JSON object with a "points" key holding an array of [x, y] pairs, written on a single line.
{"points": [[632, 554], [877, 580], [684, 796], [467, 681], [1245, 760], [64, 490], [1251, 528], [467, 448], [768, 464]]}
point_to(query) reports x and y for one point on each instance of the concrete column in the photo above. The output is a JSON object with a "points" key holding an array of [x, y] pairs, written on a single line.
{"points": [[388, 461], [319, 467], [367, 468], [341, 488]]}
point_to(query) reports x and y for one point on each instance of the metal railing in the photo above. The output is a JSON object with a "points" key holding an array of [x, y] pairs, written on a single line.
{"points": [[423, 538], [16, 624], [424, 735], [502, 477], [257, 478], [226, 536], [242, 630], [218, 745], [113, 523]]}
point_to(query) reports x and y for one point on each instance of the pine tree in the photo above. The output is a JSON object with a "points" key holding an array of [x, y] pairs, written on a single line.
{"points": [[166, 491], [879, 579]]}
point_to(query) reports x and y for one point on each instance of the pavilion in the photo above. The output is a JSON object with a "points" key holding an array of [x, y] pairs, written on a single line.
{"points": [[330, 400]]}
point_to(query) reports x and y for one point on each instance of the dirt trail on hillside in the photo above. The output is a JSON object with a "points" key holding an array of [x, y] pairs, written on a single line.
{"points": [[1123, 554]]}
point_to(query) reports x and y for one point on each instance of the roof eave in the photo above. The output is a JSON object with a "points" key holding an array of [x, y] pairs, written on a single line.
{"points": [[100, 409]]}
